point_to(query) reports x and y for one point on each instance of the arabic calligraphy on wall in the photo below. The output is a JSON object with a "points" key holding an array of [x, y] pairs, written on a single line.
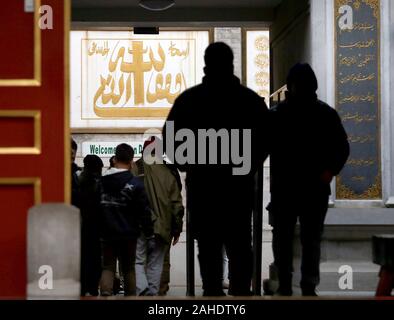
{"points": [[131, 80], [124, 76], [358, 99]]}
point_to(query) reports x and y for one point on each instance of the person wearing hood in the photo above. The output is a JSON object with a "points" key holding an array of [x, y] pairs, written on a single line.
{"points": [[308, 147], [125, 213], [75, 172], [220, 202]]}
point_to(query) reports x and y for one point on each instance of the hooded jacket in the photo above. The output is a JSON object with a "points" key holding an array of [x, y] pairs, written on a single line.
{"points": [[125, 206], [307, 138]]}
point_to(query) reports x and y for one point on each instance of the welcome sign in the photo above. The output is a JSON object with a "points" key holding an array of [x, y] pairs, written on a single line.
{"points": [[122, 80], [107, 149]]}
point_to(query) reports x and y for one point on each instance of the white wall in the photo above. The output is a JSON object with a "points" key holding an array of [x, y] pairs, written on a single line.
{"points": [[387, 99]]}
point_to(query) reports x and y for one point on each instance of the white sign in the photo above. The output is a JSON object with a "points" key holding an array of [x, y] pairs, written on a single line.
{"points": [[107, 149], [122, 80]]}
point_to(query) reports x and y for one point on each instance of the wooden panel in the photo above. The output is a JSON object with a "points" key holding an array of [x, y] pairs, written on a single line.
{"points": [[20, 58], [52, 164], [20, 132], [22, 129]]}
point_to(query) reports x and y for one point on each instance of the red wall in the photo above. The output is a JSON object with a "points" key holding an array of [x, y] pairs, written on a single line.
{"points": [[16, 56]]}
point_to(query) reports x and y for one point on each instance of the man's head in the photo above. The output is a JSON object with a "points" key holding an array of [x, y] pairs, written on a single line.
{"points": [[219, 60], [74, 148], [112, 162], [124, 155], [93, 164], [302, 81]]}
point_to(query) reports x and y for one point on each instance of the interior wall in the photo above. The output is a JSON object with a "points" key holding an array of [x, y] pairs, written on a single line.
{"points": [[387, 89], [391, 90], [290, 39]]}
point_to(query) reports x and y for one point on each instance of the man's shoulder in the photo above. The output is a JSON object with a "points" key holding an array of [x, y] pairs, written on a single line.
{"points": [[249, 93], [327, 109], [324, 105], [191, 93], [136, 182]]}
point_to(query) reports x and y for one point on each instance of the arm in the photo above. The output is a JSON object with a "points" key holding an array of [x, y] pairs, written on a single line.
{"points": [[339, 149], [178, 211], [340, 144]]}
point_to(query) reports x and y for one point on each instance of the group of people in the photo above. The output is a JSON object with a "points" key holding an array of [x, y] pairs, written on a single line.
{"points": [[130, 217], [307, 145]]}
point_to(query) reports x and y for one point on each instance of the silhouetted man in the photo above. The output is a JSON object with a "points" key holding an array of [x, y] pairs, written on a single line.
{"points": [[90, 196], [75, 171], [220, 198], [308, 148]]}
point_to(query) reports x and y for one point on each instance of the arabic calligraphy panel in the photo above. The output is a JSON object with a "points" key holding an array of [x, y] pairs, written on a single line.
{"points": [[358, 100], [122, 80]]}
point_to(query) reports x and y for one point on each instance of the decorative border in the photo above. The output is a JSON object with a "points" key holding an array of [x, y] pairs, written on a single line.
{"points": [[35, 182], [36, 81], [36, 115], [373, 193]]}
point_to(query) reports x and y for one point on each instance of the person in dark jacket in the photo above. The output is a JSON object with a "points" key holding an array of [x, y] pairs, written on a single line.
{"points": [[90, 196], [308, 148], [219, 201], [75, 171], [125, 212]]}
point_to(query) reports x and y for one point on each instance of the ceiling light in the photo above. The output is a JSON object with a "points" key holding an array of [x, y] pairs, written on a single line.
{"points": [[157, 5]]}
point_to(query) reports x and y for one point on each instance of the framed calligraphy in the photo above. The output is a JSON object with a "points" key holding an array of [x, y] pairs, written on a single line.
{"points": [[122, 81], [357, 24]]}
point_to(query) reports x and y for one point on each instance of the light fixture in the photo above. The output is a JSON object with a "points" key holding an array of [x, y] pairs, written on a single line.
{"points": [[156, 5]]}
